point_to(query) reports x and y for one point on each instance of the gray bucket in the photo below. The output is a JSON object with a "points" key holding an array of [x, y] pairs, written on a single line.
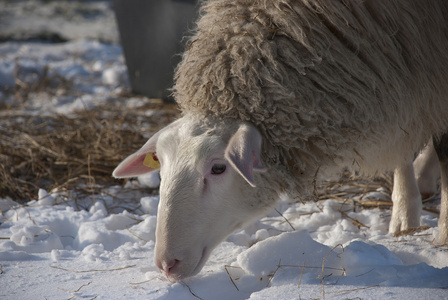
{"points": [[151, 33]]}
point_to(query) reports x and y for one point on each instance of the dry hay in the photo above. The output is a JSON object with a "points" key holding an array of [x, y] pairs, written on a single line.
{"points": [[80, 152], [64, 152]]}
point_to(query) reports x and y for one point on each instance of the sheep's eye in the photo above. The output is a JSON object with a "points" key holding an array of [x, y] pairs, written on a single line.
{"points": [[218, 169]]}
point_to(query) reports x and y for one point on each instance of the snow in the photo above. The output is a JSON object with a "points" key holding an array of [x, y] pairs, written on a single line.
{"points": [[60, 20], [82, 74], [55, 248], [52, 250]]}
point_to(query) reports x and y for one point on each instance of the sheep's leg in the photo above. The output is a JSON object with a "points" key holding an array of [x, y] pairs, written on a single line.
{"points": [[406, 198], [441, 147], [427, 171]]}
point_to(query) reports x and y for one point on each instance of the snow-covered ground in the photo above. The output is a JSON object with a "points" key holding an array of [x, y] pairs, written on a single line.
{"points": [[57, 20], [61, 246], [74, 76], [50, 249]]}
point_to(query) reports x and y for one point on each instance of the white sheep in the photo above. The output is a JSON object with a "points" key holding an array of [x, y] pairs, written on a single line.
{"points": [[277, 94]]}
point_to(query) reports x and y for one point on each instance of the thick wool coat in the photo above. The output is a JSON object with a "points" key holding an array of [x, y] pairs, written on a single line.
{"points": [[351, 83]]}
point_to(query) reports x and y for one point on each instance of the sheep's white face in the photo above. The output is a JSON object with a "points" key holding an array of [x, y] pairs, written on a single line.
{"points": [[207, 189]]}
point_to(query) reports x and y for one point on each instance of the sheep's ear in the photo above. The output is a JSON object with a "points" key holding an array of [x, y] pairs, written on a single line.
{"points": [[243, 152], [144, 160], [139, 163]]}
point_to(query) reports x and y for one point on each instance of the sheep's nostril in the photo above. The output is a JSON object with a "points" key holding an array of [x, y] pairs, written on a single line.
{"points": [[166, 266]]}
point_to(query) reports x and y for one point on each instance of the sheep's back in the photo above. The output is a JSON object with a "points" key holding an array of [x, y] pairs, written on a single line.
{"points": [[324, 81]]}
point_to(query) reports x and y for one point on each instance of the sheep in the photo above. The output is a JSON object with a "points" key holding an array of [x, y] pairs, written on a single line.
{"points": [[276, 95]]}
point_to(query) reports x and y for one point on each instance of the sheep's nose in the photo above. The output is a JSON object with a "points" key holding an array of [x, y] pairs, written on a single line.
{"points": [[167, 266]]}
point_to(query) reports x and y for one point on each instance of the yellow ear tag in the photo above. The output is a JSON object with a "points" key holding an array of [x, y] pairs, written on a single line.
{"points": [[151, 161]]}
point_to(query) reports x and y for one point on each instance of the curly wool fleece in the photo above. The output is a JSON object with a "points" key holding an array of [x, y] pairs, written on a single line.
{"points": [[327, 83]]}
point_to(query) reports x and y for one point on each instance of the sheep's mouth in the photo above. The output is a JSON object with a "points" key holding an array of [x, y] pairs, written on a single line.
{"points": [[177, 274], [201, 262]]}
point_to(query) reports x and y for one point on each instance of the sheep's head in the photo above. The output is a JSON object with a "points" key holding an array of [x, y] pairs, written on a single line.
{"points": [[208, 188]]}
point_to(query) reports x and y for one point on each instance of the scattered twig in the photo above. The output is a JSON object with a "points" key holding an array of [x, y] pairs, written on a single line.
{"points": [[411, 231], [431, 210], [287, 221], [141, 282], [75, 291], [314, 183], [301, 274], [354, 221], [146, 281], [430, 198], [93, 270], [191, 291], [140, 238], [231, 279], [323, 267], [326, 256], [3, 214], [353, 290], [273, 274], [306, 267], [365, 273], [375, 203]]}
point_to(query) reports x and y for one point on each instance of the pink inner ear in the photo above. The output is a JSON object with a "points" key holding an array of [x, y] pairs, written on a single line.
{"points": [[132, 166], [243, 152], [257, 164]]}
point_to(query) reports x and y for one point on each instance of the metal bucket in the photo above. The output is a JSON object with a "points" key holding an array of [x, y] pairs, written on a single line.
{"points": [[151, 34]]}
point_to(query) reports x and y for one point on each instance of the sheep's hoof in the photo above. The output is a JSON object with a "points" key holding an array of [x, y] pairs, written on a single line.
{"points": [[410, 231]]}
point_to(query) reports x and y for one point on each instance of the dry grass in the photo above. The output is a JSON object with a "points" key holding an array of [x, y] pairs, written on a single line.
{"points": [[79, 152], [64, 152], [361, 193]]}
